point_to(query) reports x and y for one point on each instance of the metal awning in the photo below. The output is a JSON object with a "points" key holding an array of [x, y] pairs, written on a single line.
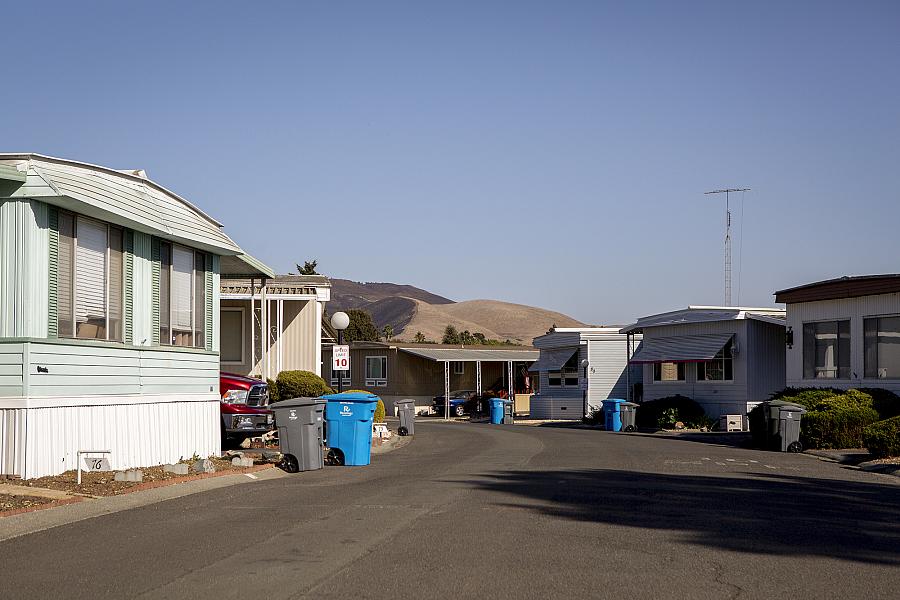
{"points": [[681, 348], [473, 354], [553, 359], [243, 265]]}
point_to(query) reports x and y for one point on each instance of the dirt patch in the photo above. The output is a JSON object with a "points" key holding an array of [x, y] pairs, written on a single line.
{"points": [[104, 484], [8, 502]]}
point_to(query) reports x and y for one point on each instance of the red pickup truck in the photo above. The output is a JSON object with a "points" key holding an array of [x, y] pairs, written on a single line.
{"points": [[243, 407]]}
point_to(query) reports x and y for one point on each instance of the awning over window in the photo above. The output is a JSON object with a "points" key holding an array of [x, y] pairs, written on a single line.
{"points": [[682, 348], [553, 359]]}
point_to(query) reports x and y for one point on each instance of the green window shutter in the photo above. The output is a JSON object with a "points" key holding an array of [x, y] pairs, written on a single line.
{"points": [[129, 286], [154, 257], [53, 273], [209, 302]]}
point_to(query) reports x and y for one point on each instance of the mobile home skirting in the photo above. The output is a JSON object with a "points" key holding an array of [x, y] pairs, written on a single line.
{"points": [[44, 438]]}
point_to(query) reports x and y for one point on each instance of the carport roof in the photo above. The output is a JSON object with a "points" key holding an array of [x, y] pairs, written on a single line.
{"points": [[473, 354]]}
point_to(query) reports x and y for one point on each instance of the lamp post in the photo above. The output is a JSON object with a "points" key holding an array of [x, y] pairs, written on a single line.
{"points": [[584, 367], [340, 321]]}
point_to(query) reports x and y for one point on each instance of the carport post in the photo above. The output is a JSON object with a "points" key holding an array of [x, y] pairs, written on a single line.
{"points": [[446, 390], [509, 379], [478, 377]]}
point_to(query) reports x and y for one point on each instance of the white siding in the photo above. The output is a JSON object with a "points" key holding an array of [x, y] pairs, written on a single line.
{"points": [[12, 371], [855, 309], [24, 268]]}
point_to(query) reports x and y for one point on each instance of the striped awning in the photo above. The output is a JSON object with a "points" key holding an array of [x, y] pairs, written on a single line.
{"points": [[682, 348], [553, 359]]}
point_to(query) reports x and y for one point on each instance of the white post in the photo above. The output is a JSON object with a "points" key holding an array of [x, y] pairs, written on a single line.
{"points": [[446, 390], [318, 328], [478, 377], [509, 379], [252, 325], [280, 334], [264, 331]]}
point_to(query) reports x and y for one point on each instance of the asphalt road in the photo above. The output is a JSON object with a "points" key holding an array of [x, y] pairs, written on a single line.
{"points": [[475, 511]]}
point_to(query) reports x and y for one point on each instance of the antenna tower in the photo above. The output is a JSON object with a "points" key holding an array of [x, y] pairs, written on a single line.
{"points": [[727, 191]]}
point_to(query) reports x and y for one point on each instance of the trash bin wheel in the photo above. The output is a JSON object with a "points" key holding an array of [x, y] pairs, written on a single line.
{"points": [[402, 430], [289, 464], [334, 457], [795, 447], [630, 428]]}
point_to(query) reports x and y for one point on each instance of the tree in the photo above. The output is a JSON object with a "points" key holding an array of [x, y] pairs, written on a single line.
{"points": [[308, 268], [388, 332], [451, 336], [479, 338], [419, 338], [361, 328], [466, 338]]}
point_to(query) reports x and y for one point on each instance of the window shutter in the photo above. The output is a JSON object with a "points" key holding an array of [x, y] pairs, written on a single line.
{"points": [[129, 287], [90, 272], [53, 273], [182, 279], [208, 316], [154, 312]]}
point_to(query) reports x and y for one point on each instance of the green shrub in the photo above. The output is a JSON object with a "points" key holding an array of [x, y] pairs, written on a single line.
{"points": [[883, 438], [273, 390], [886, 402], [379, 412], [840, 425], [834, 418], [649, 412], [300, 384]]}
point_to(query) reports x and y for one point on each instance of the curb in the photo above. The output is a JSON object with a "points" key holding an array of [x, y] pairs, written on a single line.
{"points": [[141, 487], [45, 506]]}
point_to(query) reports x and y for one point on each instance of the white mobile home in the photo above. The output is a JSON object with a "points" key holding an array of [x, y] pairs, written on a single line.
{"points": [[844, 333], [569, 388], [109, 318], [721, 357]]}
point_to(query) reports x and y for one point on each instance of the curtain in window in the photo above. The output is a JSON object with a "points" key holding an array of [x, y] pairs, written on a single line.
{"points": [[65, 276], [116, 283], [182, 282], [90, 279]]}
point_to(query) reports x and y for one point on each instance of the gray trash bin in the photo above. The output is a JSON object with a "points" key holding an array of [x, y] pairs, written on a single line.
{"points": [[300, 433], [783, 425], [507, 412], [628, 412], [406, 410]]}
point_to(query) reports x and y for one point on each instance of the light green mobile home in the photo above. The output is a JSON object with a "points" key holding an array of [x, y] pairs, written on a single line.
{"points": [[109, 317]]}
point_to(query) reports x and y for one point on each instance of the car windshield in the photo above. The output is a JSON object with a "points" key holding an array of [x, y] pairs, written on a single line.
{"points": [[458, 393]]}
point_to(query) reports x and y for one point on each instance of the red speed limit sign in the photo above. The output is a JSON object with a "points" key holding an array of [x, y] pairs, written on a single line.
{"points": [[340, 358]]}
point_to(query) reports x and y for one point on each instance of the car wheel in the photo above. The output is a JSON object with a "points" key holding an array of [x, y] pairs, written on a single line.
{"points": [[460, 410]]}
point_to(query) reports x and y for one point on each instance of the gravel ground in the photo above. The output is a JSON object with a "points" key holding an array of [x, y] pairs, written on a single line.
{"points": [[8, 502]]}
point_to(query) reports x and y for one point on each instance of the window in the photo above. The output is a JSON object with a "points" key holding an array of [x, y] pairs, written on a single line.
{"points": [[459, 368], [668, 371], [90, 279], [720, 368], [376, 370], [567, 376], [182, 296], [826, 350], [231, 346], [882, 347]]}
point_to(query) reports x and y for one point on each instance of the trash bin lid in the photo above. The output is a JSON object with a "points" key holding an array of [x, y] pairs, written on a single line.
{"points": [[293, 402], [404, 402], [778, 403], [614, 401], [362, 397], [788, 407], [629, 404]]}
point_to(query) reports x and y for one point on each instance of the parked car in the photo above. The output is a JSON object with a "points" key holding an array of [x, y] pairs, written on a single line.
{"points": [[458, 400], [243, 407]]}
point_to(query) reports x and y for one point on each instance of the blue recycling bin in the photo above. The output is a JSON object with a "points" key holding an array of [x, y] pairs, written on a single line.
{"points": [[348, 425], [497, 405], [612, 416]]}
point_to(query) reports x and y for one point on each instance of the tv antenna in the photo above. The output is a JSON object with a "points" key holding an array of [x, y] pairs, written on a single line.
{"points": [[728, 191]]}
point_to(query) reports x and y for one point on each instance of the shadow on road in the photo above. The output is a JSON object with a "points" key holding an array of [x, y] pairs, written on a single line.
{"points": [[766, 514]]}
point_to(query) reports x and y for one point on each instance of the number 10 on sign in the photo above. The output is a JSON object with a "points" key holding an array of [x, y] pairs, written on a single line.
{"points": [[340, 358]]}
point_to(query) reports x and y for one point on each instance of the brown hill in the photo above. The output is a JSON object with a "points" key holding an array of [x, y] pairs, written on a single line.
{"points": [[346, 294]]}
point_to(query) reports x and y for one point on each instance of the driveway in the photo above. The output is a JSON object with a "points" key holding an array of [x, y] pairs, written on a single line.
{"points": [[468, 511]]}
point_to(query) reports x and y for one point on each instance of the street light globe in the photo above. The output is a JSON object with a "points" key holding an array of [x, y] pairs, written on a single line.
{"points": [[584, 363], [340, 321]]}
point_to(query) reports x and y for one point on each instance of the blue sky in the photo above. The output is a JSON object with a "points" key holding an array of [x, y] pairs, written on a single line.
{"points": [[547, 153]]}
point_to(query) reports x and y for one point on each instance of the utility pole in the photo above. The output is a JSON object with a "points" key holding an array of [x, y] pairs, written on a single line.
{"points": [[727, 191]]}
